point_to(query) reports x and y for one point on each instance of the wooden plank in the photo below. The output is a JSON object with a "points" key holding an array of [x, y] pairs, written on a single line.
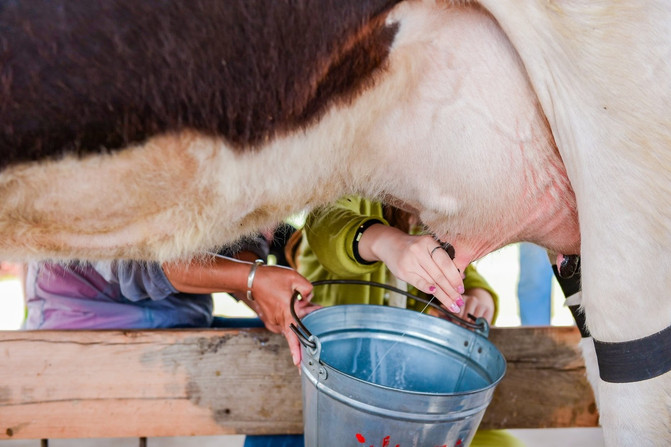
{"points": [[545, 383], [146, 383], [75, 384]]}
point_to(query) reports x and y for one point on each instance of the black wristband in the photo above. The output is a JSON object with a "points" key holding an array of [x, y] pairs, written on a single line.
{"points": [[357, 238]]}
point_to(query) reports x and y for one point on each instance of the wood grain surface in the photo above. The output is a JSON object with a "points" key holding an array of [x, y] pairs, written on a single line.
{"points": [[78, 384]]}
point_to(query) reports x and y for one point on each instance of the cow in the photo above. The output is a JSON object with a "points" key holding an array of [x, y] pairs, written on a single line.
{"points": [[161, 130]]}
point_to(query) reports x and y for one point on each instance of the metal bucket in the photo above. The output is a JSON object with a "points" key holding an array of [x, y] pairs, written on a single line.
{"points": [[388, 377]]}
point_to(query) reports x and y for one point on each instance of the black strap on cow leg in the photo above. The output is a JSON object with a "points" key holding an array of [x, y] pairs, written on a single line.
{"points": [[571, 286], [635, 360], [624, 362]]}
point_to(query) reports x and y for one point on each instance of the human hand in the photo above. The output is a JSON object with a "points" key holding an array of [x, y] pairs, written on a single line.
{"points": [[414, 260], [479, 303], [272, 290]]}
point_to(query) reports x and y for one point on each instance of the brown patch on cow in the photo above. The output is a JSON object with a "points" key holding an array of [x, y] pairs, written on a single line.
{"points": [[78, 77]]}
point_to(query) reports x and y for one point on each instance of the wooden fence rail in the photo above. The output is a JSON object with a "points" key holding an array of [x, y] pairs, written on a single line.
{"points": [[78, 384]]}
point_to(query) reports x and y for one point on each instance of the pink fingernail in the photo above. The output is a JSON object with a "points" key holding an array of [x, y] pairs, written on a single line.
{"points": [[432, 289], [454, 308], [460, 302], [461, 289]]}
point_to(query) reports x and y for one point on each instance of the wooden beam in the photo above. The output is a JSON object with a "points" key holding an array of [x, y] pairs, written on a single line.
{"points": [[77, 384], [545, 384]]}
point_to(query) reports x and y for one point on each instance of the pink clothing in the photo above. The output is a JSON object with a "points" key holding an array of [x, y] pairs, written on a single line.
{"points": [[109, 295]]}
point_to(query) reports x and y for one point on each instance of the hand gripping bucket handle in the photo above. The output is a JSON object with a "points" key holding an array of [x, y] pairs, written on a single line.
{"points": [[480, 326]]}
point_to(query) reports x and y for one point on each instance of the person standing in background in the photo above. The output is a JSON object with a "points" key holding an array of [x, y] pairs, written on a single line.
{"points": [[534, 289]]}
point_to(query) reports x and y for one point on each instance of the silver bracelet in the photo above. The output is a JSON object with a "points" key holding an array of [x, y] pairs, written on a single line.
{"points": [[250, 278]]}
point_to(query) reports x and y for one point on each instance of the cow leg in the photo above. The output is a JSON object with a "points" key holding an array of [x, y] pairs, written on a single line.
{"points": [[171, 197], [591, 366], [636, 414], [611, 120], [625, 262], [624, 402], [625, 258]]}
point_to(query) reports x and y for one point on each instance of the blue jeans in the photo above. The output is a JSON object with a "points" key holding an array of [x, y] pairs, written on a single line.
{"points": [[274, 441], [534, 290]]}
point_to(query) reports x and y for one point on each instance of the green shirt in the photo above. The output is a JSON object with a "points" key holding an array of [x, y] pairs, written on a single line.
{"points": [[327, 252]]}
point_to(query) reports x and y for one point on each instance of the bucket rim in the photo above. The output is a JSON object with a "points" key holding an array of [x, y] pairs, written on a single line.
{"points": [[372, 308], [414, 393]]}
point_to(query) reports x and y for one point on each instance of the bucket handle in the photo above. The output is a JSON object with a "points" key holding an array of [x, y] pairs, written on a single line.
{"points": [[303, 334], [480, 326]]}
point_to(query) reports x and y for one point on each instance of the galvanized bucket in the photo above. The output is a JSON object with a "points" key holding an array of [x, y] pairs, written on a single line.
{"points": [[388, 377]]}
